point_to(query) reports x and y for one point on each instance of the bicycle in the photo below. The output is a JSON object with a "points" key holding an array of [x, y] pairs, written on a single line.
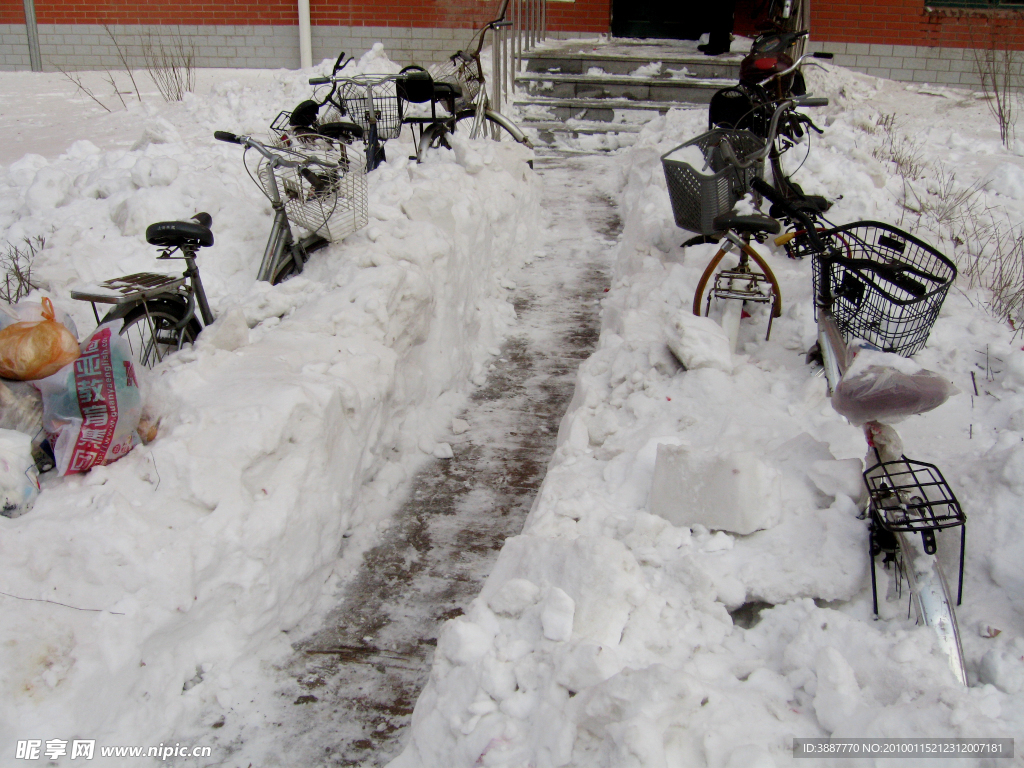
{"points": [[158, 311], [309, 181], [770, 77], [464, 74], [704, 204], [883, 288]]}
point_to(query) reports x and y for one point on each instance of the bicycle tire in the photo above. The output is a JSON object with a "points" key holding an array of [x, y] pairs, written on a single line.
{"points": [[491, 119], [930, 590], [700, 294], [150, 348]]}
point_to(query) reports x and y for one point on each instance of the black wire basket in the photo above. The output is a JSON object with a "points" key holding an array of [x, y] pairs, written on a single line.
{"points": [[894, 308]]}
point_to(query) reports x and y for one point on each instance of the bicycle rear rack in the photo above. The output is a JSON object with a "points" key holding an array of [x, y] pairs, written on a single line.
{"points": [[910, 496], [743, 284]]}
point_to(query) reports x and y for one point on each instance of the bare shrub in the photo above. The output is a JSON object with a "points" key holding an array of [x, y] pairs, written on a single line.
{"points": [[171, 64], [1001, 72], [987, 248], [123, 56], [77, 80], [16, 266]]}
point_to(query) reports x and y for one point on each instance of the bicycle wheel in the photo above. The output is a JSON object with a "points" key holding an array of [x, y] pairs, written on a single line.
{"points": [[494, 125], [285, 269], [154, 330]]}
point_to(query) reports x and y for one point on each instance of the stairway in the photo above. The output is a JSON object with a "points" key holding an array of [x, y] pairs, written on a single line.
{"points": [[578, 87]]}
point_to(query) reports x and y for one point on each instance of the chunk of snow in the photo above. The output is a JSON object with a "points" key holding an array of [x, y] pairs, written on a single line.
{"points": [[735, 492], [699, 342]]}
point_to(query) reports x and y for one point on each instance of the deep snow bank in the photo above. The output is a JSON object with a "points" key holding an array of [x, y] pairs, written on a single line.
{"points": [[608, 637], [147, 585]]}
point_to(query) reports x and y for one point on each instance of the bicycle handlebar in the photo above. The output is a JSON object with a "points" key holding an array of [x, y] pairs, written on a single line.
{"points": [[319, 80], [894, 273], [278, 157]]}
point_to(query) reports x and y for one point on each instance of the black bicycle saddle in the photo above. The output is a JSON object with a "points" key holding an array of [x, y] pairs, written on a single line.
{"points": [[177, 234], [752, 223]]}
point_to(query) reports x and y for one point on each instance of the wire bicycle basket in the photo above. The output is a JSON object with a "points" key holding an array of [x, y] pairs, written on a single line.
{"points": [[699, 197], [330, 202], [463, 72], [893, 314], [367, 98]]}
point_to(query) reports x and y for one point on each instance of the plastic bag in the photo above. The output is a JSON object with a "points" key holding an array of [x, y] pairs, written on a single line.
{"points": [[91, 408], [34, 349], [19, 481], [885, 387]]}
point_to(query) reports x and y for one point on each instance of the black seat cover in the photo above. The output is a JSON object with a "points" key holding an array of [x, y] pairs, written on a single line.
{"points": [[178, 233], [752, 223], [445, 90], [340, 130], [416, 86]]}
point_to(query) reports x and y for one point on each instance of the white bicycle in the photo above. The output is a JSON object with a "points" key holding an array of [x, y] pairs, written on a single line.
{"points": [[882, 288]]}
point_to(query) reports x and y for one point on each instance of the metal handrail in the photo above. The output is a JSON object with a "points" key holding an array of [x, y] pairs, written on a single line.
{"points": [[511, 44]]}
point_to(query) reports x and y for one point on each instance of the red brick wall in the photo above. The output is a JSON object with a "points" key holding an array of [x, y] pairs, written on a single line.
{"points": [[12, 12], [581, 16], [907, 22]]}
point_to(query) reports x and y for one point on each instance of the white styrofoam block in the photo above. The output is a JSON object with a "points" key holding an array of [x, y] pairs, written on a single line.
{"points": [[728, 491], [699, 342]]}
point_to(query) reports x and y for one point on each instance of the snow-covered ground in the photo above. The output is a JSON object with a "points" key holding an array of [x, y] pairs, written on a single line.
{"points": [[135, 595]]}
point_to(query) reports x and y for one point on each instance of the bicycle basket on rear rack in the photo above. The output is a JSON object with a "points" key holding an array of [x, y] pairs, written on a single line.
{"points": [[895, 315], [330, 202], [462, 71], [700, 196], [366, 96]]}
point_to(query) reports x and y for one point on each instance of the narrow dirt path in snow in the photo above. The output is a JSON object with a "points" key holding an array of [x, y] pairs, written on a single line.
{"points": [[355, 682]]}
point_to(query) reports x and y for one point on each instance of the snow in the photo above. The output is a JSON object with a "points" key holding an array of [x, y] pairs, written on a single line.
{"points": [[607, 635]]}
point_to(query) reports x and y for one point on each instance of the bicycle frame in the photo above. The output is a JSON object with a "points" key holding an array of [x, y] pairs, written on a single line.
{"points": [[281, 241]]}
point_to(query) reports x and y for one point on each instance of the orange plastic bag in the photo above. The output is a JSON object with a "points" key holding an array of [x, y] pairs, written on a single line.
{"points": [[36, 349]]}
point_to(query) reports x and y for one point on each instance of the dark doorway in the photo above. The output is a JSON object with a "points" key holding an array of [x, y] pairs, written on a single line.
{"points": [[679, 20]]}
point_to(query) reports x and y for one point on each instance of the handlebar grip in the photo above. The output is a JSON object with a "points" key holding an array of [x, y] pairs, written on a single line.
{"points": [[319, 80], [765, 189], [226, 136], [812, 101], [823, 55], [497, 24]]}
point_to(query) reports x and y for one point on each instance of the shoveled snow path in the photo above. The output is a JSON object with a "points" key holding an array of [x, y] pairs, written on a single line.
{"points": [[347, 694]]}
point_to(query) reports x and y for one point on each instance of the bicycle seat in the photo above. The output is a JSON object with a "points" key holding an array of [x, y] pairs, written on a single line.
{"points": [[444, 91], [177, 234], [416, 86], [886, 394], [304, 114], [752, 223], [341, 130]]}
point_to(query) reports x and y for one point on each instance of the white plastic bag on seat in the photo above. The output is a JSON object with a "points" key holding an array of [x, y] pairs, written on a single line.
{"points": [[885, 387]]}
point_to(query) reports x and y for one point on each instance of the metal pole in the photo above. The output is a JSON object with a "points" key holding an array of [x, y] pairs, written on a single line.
{"points": [[543, 20], [34, 57]]}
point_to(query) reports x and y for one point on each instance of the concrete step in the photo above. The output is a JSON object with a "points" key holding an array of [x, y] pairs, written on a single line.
{"points": [[627, 62], [591, 109], [562, 86]]}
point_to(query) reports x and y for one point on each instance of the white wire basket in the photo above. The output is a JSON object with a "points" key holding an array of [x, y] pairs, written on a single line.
{"points": [[330, 202], [463, 72]]}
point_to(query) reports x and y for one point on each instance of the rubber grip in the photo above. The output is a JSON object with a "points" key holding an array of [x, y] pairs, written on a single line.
{"points": [[812, 101], [226, 136], [823, 55], [319, 80]]}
